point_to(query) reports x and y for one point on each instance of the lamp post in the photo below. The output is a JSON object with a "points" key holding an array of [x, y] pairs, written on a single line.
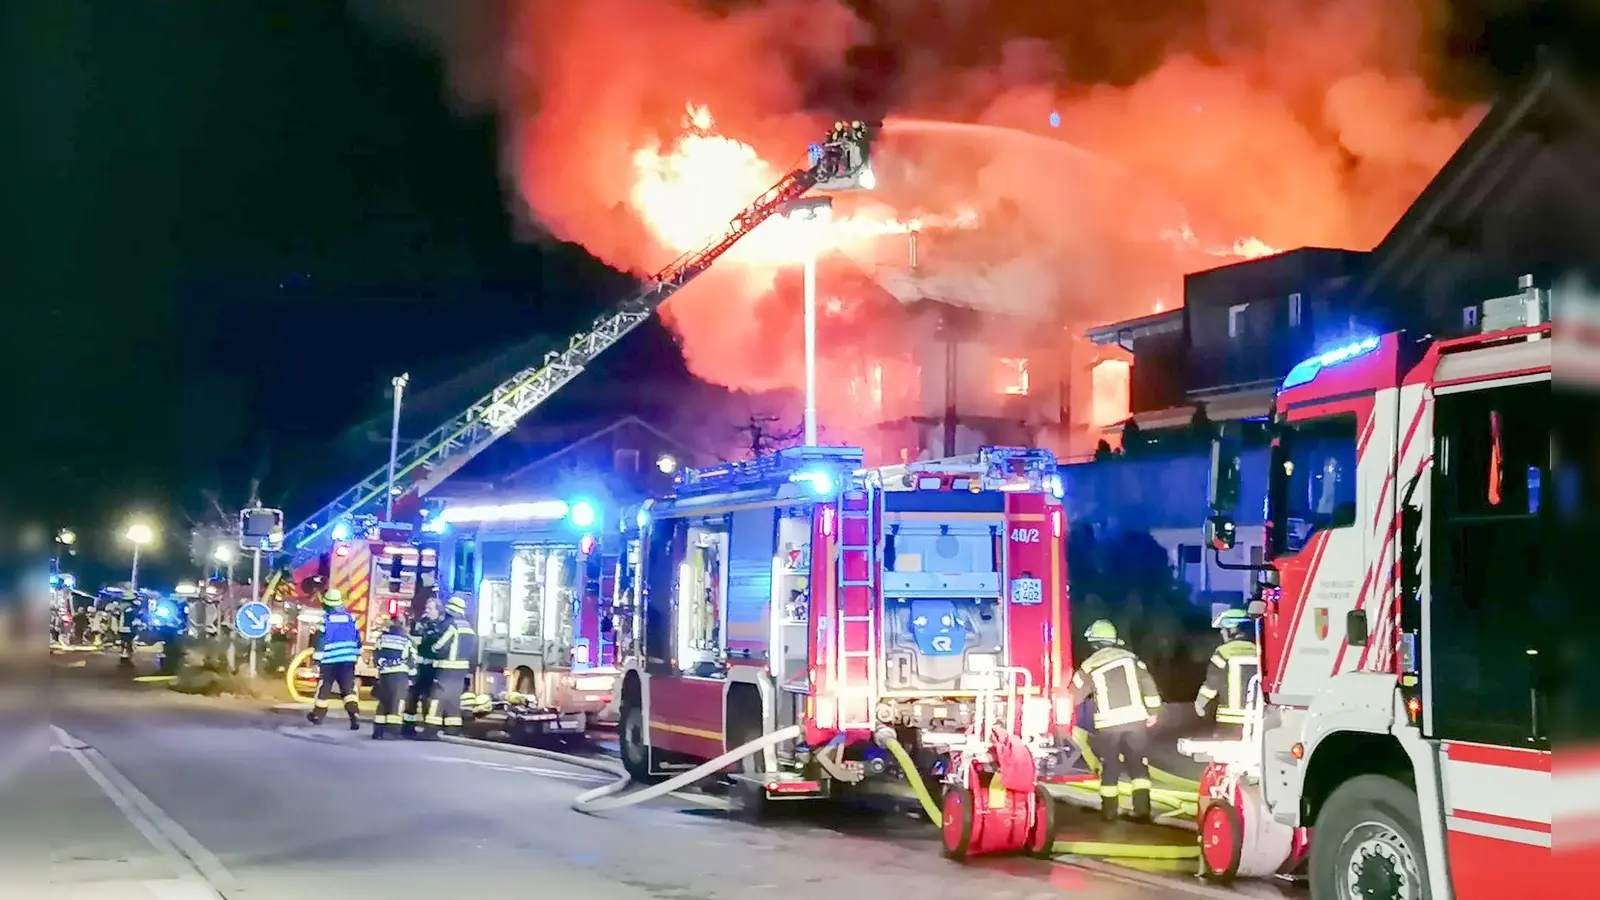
{"points": [[399, 381], [811, 215], [138, 534]]}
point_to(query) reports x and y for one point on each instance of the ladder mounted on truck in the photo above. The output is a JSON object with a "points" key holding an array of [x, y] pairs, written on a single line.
{"points": [[841, 162]]}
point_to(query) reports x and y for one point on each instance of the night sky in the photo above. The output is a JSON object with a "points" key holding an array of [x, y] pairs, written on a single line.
{"points": [[238, 219]]}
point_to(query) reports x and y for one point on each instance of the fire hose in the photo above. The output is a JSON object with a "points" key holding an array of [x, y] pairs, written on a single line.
{"points": [[605, 798], [1072, 848]]}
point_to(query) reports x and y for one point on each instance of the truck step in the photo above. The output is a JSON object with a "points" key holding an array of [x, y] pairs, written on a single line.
{"points": [[783, 785]]}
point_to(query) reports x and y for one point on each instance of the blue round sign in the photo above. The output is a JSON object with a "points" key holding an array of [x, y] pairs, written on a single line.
{"points": [[253, 620]]}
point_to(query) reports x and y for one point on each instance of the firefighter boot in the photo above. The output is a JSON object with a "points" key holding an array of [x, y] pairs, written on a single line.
{"points": [[1141, 804], [1109, 803]]}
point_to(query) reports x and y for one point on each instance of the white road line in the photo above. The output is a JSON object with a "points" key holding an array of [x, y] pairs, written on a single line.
{"points": [[202, 869]]}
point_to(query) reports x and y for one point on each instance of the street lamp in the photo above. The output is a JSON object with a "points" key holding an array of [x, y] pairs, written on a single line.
{"points": [[138, 534], [812, 215], [399, 382], [67, 537]]}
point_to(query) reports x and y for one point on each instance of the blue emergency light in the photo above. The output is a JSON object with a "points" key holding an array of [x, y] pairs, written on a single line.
{"points": [[823, 469], [581, 513], [341, 531], [1307, 371]]}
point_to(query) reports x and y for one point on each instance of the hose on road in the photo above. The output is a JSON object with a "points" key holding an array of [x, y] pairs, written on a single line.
{"points": [[1104, 849]]}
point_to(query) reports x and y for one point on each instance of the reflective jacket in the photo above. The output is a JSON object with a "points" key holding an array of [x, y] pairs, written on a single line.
{"points": [[424, 632], [457, 646], [1232, 667], [1121, 686], [341, 641], [128, 617], [395, 653]]}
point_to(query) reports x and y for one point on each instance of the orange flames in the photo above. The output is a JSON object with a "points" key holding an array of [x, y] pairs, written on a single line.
{"points": [[1197, 137]]}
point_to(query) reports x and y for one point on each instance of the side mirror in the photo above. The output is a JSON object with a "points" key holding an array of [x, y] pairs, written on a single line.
{"points": [[1220, 532], [1355, 627], [1224, 478]]}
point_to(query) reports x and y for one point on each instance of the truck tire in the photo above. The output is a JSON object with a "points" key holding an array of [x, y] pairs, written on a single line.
{"points": [[1367, 843], [632, 741]]}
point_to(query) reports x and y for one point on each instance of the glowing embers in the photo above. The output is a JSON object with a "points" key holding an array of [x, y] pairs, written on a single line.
{"points": [[1307, 371], [1011, 376]]}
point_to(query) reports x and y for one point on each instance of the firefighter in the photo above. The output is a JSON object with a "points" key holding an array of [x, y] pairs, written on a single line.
{"points": [[452, 651], [396, 659], [423, 633], [1125, 704], [127, 629], [1232, 667], [337, 651]]}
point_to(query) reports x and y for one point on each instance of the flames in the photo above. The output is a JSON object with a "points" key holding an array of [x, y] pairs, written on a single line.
{"points": [[687, 191]]}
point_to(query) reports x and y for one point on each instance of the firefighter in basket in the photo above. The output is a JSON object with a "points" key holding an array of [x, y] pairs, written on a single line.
{"points": [[452, 653], [337, 651], [1233, 665], [1125, 704], [423, 633], [396, 659]]}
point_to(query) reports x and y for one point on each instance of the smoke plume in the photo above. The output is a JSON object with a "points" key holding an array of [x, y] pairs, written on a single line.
{"points": [[1106, 146]]}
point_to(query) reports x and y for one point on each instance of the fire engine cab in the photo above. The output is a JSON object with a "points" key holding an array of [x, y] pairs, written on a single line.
{"points": [[378, 568], [801, 589], [1399, 732]]}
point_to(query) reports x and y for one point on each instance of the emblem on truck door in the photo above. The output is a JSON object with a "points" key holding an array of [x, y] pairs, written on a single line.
{"points": [[1319, 621]]}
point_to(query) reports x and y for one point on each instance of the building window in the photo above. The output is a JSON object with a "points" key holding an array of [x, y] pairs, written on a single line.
{"points": [[625, 461], [1012, 377], [1236, 320], [1295, 312], [1469, 318]]}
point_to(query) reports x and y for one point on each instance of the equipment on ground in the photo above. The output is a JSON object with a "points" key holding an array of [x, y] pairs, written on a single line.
{"points": [[1399, 707]]}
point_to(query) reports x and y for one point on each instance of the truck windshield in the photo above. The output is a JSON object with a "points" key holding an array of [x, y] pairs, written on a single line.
{"points": [[1313, 481]]}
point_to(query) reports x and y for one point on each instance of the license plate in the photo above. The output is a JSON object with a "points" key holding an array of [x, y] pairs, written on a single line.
{"points": [[571, 726]]}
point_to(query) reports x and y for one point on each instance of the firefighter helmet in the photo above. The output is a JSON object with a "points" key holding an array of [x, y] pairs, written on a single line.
{"points": [[332, 597], [1102, 632], [456, 606], [1231, 622]]}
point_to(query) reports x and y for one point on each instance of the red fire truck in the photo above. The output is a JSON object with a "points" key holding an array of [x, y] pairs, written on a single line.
{"points": [[378, 568], [1399, 739], [545, 575], [802, 589]]}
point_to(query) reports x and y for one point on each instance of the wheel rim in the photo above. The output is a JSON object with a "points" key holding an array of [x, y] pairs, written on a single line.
{"points": [[1217, 840], [1040, 839], [951, 826], [1378, 864]]}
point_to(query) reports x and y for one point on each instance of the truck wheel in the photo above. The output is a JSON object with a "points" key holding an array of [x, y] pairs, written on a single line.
{"points": [[955, 831], [1042, 839], [635, 752], [1367, 843]]}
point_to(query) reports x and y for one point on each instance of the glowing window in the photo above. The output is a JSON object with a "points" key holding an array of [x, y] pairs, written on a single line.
{"points": [[1012, 376]]}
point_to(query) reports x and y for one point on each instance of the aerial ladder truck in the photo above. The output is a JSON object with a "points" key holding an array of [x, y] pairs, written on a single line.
{"points": [[354, 518]]}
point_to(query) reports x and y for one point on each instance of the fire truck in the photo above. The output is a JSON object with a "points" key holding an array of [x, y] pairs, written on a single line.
{"points": [[859, 605], [545, 576], [1398, 746], [378, 567]]}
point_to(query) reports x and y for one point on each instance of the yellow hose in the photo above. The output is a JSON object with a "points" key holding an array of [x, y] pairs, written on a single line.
{"points": [[289, 679], [1074, 848]]}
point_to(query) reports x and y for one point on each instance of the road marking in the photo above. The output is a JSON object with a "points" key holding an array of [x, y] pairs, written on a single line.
{"points": [[188, 855]]}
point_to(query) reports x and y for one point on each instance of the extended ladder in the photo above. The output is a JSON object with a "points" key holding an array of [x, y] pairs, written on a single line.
{"points": [[856, 661], [841, 162]]}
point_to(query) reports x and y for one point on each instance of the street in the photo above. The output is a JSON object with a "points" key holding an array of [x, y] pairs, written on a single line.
{"points": [[133, 793]]}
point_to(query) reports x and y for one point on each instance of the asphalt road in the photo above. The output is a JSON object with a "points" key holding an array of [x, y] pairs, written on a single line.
{"points": [[135, 794]]}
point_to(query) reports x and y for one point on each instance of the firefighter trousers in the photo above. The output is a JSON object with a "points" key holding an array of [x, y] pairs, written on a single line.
{"points": [[444, 702], [336, 680], [125, 642], [416, 699], [391, 693], [1124, 752]]}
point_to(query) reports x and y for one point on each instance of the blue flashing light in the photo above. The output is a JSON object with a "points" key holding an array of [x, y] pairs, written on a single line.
{"points": [[1307, 371], [642, 518], [1053, 484], [821, 482], [341, 531], [68, 580], [1055, 120], [435, 526], [581, 513]]}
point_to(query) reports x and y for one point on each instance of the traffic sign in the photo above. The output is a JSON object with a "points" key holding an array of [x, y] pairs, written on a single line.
{"points": [[253, 620]]}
